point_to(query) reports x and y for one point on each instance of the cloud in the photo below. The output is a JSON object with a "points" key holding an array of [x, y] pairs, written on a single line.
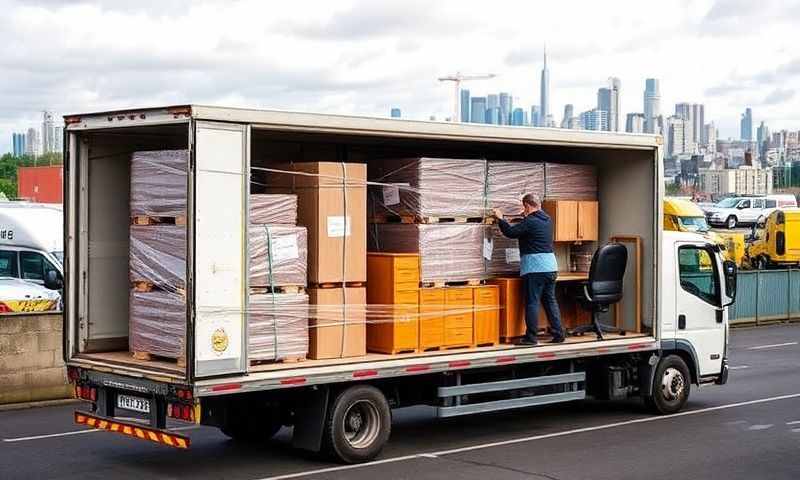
{"points": [[778, 96]]}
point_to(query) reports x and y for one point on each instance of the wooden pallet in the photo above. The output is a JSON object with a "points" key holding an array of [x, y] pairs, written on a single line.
{"points": [[453, 347], [426, 220], [279, 289], [151, 220], [338, 285], [287, 359], [493, 220], [485, 344], [148, 286], [456, 283], [149, 357]]}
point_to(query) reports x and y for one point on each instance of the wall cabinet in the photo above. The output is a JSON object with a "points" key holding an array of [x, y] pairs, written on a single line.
{"points": [[573, 220]]}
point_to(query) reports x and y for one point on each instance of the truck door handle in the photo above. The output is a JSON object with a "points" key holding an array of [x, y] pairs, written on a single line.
{"points": [[681, 322]]}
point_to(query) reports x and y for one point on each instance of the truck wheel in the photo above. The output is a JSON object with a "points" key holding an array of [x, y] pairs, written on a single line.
{"points": [[731, 222], [671, 386], [359, 424], [252, 428]]}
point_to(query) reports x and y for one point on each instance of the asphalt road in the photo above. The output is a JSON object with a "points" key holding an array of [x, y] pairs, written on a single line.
{"points": [[749, 428]]}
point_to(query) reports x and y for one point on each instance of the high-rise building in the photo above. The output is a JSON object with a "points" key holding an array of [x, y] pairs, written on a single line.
{"points": [[608, 101], [535, 115], [518, 117], [59, 147], [544, 94], [395, 113], [698, 123], [594, 119], [465, 105], [33, 145], [710, 136], [569, 112], [746, 125], [493, 116], [634, 123], [685, 111], [506, 107], [18, 144], [49, 133], [477, 110], [652, 104], [677, 136], [762, 141]]}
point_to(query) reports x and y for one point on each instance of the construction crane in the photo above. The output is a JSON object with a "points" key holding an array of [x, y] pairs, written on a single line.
{"points": [[457, 79]]}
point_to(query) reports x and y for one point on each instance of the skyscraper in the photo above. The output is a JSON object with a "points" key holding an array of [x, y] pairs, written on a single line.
{"points": [[747, 125], [569, 112], [594, 119], [33, 144], [685, 111], [18, 144], [652, 104], [395, 113], [634, 123], [674, 135], [506, 107], [493, 116], [477, 110], [698, 123], [48, 133], [535, 115], [710, 136], [464, 105], [608, 101], [544, 94], [518, 117]]}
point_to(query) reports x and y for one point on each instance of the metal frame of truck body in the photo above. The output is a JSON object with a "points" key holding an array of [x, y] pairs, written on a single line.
{"points": [[278, 121]]}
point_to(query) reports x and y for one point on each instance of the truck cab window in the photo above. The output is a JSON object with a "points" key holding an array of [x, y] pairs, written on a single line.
{"points": [[698, 273], [758, 203], [744, 204], [8, 264], [34, 266]]}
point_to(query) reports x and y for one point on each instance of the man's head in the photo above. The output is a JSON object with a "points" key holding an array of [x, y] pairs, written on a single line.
{"points": [[531, 203]]}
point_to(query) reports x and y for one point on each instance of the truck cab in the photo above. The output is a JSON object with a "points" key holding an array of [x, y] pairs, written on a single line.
{"points": [[776, 242], [31, 243]]}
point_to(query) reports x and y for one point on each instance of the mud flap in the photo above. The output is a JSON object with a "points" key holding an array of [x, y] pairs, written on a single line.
{"points": [[310, 419]]}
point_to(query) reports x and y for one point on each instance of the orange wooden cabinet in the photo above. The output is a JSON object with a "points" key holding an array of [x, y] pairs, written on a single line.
{"points": [[458, 324], [431, 318], [393, 296], [486, 329], [573, 221], [512, 307]]}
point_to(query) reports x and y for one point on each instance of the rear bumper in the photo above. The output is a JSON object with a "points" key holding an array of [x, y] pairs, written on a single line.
{"points": [[133, 430]]}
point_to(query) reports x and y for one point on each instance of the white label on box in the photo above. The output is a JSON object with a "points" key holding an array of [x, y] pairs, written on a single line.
{"points": [[512, 255], [338, 226], [488, 246], [284, 247], [391, 193]]}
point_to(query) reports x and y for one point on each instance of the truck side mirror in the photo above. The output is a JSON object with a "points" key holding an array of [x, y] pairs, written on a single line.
{"points": [[729, 270], [53, 281]]}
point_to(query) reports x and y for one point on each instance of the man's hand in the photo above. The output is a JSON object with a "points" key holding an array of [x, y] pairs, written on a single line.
{"points": [[497, 213]]}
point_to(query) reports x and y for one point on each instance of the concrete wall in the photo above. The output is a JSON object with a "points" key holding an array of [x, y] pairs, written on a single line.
{"points": [[31, 365]]}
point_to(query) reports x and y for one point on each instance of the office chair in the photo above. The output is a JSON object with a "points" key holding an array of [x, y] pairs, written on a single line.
{"points": [[604, 287]]}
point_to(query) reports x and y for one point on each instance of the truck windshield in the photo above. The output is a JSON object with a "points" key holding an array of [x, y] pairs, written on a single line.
{"points": [[728, 203], [59, 256], [694, 224]]}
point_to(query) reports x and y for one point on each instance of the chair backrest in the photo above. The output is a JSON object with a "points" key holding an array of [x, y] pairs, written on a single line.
{"points": [[607, 272]]}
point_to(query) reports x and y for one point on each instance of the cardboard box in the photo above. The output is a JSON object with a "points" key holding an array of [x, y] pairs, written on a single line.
{"points": [[328, 320], [332, 205]]}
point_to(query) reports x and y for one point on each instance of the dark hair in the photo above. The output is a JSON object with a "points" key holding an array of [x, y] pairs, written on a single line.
{"points": [[532, 200]]}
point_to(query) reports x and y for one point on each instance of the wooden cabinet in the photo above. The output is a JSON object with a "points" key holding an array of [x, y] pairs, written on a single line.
{"points": [[458, 325], [486, 327], [393, 298], [431, 318], [573, 220]]}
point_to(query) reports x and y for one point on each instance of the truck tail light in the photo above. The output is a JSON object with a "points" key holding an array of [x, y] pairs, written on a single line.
{"points": [[4, 308], [86, 393], [180, 412]]}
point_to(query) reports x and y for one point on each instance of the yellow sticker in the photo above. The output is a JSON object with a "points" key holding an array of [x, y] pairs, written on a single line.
{"points": [[30, 305], [219, 340]]}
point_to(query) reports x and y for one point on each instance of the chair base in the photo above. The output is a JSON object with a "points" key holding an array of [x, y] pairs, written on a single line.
{"points": [[596, 327]]}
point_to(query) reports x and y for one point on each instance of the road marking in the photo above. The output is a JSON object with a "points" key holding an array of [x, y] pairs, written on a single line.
{"points": [[739, 367], [761, 427], [774, 345], [529, 439], [77, 432], [796, 422]]}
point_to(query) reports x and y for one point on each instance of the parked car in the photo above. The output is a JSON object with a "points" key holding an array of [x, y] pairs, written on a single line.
{"points": [[750, 210]]}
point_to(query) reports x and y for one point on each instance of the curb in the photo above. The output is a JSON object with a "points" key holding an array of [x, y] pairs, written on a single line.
{"points": [[39, 404]]}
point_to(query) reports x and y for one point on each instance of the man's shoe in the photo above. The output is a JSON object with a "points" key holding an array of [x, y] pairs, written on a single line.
{"points": [[527, 342], [557, 340]]}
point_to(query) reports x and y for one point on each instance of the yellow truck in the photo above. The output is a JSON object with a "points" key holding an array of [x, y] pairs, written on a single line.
{"points": [[685, 216], [776, 242]]}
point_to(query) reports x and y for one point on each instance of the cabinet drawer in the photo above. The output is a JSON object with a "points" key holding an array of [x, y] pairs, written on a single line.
{"points": [[458, 321], [406, 297], [399, 287], [462, 296], [457, 336], [487, 296], [406, 275], [410, 262], [432, 296]]}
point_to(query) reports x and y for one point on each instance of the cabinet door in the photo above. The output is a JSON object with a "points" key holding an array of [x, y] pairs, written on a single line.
{"points": [[565, 219], [587, 220]]}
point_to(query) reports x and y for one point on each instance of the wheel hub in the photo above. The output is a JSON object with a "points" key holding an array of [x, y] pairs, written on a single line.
{"points": [[361, 424], [672, 384]]}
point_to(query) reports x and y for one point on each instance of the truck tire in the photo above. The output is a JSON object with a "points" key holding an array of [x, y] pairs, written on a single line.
{"points": [[671, 386], [252, 428], [358, 425], [731, 222]]}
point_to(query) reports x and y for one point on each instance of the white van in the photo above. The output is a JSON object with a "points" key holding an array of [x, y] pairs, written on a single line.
{"points": [[749, 210], [31, 243]]}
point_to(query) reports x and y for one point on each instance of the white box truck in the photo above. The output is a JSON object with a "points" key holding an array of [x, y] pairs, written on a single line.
{"points": [[674, 304]]}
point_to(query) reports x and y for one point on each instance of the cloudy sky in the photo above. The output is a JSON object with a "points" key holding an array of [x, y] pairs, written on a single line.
{"points": [[365, 56]]}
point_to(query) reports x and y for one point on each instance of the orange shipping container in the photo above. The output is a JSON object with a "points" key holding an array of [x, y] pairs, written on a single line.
{"points": [[41, 184]]}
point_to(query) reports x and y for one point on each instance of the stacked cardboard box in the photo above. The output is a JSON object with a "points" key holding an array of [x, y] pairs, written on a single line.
{"points": [[277, 322], [448, 252], [508, 182], [159, 182]]}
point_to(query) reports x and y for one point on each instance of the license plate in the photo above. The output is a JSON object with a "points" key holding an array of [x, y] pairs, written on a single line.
{"points": [[137, 404]]}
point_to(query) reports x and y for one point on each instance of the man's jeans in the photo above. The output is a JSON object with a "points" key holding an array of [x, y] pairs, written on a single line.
{"points": [[541, 287]]}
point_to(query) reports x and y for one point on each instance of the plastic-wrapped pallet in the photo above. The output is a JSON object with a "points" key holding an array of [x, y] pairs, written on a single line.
{"points": [[505, 254], [508, 182], [288, 252], [158, 254], [158, 183], [273, 209], [277, 326], [448, 252], [428, 187], [567, 181], [157, 323]]}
